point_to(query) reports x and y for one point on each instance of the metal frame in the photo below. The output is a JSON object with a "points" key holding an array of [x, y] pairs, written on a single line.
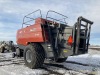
{"points": [[65, 17], [31, 19], [54, 20], [54, 48], [86, 36]]}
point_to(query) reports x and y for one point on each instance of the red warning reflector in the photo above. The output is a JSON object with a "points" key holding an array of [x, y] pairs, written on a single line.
{"points": [[70, 40]]}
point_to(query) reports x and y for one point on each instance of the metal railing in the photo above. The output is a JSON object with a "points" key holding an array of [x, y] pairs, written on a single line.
{"points": [[40, 16], [59, 20], [31, 18]]}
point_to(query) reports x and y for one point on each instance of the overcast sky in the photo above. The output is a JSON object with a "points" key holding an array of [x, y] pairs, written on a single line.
{"points": [[13, 11]]}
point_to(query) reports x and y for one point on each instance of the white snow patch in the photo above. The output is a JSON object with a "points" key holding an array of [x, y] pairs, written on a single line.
{"points": [[78, 65]]}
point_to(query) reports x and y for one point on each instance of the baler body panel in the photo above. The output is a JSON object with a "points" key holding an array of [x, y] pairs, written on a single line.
{"points": [[32, 33]]}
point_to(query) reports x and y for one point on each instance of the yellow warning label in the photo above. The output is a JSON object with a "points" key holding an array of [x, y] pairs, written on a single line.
{"points": [[65, 51]]}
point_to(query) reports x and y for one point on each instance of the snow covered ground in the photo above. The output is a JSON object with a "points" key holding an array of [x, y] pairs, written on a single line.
{"points": [[86, 64]]}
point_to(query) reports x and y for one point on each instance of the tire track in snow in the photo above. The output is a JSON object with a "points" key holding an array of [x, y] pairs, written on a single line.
{"points": [[51, 71], [58, 67]]}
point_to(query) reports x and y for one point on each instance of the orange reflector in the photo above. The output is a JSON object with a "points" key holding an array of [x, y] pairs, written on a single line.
{"points": [[70, 40]]}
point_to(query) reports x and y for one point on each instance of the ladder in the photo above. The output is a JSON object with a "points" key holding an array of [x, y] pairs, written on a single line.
{"points": [[82, 31]]}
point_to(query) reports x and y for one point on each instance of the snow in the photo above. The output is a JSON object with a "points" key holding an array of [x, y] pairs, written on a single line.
{"points": [[74, 65], [21, 70]]}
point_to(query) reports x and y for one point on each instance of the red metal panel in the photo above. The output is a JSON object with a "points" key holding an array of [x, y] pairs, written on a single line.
{"points": [[31, 33]]}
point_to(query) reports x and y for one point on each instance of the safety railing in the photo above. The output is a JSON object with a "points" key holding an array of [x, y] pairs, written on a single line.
{"points": [[31, 18], [62, 20]]}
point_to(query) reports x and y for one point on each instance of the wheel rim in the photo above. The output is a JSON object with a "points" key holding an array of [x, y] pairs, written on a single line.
{"points": [[28, 56]]}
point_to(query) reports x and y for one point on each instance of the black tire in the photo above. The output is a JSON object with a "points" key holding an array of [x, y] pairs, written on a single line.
{"points": [[19, 52], [60, 60], [13, 49], [13, 55], [2, 50], [36, 56]]}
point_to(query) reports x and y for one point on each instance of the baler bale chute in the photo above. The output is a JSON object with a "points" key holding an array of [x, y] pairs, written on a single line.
{"points": [[52, 39]]}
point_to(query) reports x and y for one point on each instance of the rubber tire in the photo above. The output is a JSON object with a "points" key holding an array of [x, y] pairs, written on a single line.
{"points": [[13, 49], [13, 55], [2, 50], [19, 52], [38, 55], [60, 60]]}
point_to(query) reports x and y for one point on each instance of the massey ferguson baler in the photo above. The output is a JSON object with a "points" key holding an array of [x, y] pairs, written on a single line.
{"points": [[51, 39]]}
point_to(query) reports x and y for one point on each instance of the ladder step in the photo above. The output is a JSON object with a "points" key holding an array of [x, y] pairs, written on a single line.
{"points": [[80, 48], [83, 25], [83, 29], [83, 37], [50, 51]]}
